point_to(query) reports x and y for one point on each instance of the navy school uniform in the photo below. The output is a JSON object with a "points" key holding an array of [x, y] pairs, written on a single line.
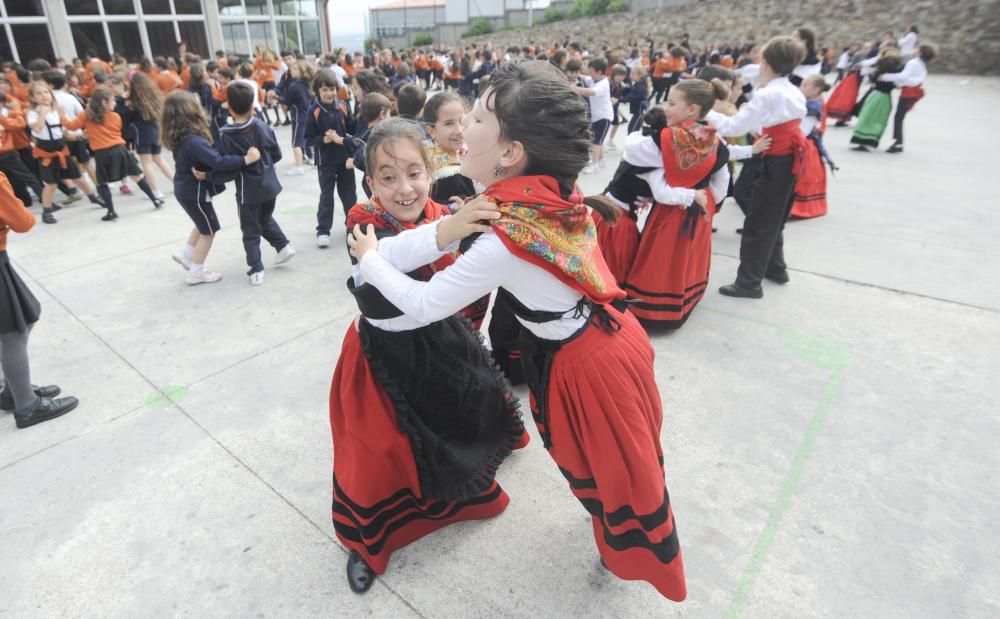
{"points": [[295, 95], [638, 102], [257, 186], [195, 196], [144, 134], [331, 159]]}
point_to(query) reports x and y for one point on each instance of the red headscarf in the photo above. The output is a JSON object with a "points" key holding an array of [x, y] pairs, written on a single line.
{"points": [[541, 227]]}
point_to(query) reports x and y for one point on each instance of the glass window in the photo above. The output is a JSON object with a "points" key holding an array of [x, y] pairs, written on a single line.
{"points": [[90, 38], [285, 7], [33, 41], [82, 7], [288, 35], [23, 8], [156, 7], [256, 7], [187, 7], [6, 53], [119, 7], [235, 38], [311, 43], [125, 39], [260, 34], [230, 7], [162, 38], [307, 8], [193, 33]]}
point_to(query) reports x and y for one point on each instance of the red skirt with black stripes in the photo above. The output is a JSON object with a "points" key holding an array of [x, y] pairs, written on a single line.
{"points": [[602, 423], [378, 505], [810, 188], [670, 272], [618, 243]]}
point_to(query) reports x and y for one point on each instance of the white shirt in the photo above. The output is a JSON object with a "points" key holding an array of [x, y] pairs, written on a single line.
{"points": [[340, 72], [280, 72], [807, 124], [908, 45], [642, 151], [778, 102], [805, 70], [737, 152], [844, 61], [750, 73], [53, 132], [913, 74], [486, 266], [868, 66], [70, 105], [256, 98], [600, 101]]}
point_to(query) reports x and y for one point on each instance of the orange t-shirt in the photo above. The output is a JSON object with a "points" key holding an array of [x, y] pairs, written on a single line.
{"points": [[265, 71], [727, 61], [13, 215], [420, 63], [20, 93], [168, 81], [12, 124], [347, 67], [186, 77], [100, 135]]}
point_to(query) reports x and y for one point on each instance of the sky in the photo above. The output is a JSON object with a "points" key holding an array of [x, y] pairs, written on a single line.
{"points": [[347, 17]]}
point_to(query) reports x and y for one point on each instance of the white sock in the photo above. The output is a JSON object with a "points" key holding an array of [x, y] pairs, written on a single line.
{"points": [[187, 251], [196, 268]]}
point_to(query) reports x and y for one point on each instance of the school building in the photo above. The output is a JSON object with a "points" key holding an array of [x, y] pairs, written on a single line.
{"points": [[134, 28]]}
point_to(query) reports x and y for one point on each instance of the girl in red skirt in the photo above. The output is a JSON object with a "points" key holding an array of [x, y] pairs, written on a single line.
{"points": [[810, 186], [420, 418], [670, 272], [589, 364]]}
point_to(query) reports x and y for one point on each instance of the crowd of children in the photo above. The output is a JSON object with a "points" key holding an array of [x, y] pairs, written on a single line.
{"points": [[470, 192]]}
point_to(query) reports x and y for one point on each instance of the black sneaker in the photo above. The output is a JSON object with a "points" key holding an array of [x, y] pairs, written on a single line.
{"points": [[895, 148], [55, 208], [47, 391], [45, 409], [48, 217], [111, 216]]}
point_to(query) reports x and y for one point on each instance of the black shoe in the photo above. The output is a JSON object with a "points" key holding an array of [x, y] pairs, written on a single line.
{"points": [[287, 122], [55, 208], [48, 217], [781, 277], [714, 229], [111, 216], [734, 290], [840, 123], [895, 148], [739, 231], [45, 409], [48, 391], [359, 575], [861, 148], [158, 202]]}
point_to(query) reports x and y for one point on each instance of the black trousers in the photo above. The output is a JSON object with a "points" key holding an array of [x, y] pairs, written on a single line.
{"points": [[256, 221], [743, 188], [902, 107], [20, 177], [659, 88], [762, 246], [335, 177]]}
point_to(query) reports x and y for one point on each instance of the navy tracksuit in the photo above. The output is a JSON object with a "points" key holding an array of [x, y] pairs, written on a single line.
{"points": [[331, 159], [257, 186]]}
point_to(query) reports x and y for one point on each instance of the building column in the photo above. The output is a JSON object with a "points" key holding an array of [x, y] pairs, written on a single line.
{"points": [[213, 26], [62, 36]]}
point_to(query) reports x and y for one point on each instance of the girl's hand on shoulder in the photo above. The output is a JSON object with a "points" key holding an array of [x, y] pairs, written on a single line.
{"points": [[198, 174], [361, 242], [253, 156], [474, 216]]}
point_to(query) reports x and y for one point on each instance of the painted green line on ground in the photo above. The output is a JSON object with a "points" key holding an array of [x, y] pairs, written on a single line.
{"points": [[164, 398]]}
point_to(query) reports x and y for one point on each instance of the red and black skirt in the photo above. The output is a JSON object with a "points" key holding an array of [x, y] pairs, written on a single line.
{"points": [[841, 103], [619, 244], [420, 422], [597, 406], [670, 272], [810, 188]]}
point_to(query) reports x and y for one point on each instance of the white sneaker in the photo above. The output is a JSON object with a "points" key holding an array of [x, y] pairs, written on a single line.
{"points": [[286, 254], [309, 161], [295, 172], [611, 148], [323, 240], [158, 195], [590, 168], [203, 276], [256, 279], [181, 258]]}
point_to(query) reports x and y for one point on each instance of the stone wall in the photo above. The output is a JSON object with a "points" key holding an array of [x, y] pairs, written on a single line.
{"points": [[966, 31]]}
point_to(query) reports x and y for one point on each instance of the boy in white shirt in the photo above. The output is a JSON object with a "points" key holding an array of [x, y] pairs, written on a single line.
{"points": [[601, 111]]}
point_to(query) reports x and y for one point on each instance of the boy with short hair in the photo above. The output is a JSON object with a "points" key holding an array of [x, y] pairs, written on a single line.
{"points": [[601, 111], [258, 185]]}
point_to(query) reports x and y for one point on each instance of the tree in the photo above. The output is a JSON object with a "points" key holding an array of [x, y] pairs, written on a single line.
{"points": [[478, 26], [422, 39]]}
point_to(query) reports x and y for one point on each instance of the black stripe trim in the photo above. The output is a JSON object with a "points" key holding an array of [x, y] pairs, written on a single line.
{"points": [[576, 483], [668, 295], [667, 307], [665, 551]]}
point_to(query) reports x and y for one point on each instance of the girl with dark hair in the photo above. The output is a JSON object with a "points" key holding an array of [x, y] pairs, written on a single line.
{"points": [[876, 106], [420, 419], [589, 364], [811, 64]]}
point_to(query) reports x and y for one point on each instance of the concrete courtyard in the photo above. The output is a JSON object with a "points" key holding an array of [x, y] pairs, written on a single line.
{"points": [[830, 449]]}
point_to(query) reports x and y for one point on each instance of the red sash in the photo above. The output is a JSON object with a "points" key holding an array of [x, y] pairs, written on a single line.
{"points": [[912, 94], [787, 139]]}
